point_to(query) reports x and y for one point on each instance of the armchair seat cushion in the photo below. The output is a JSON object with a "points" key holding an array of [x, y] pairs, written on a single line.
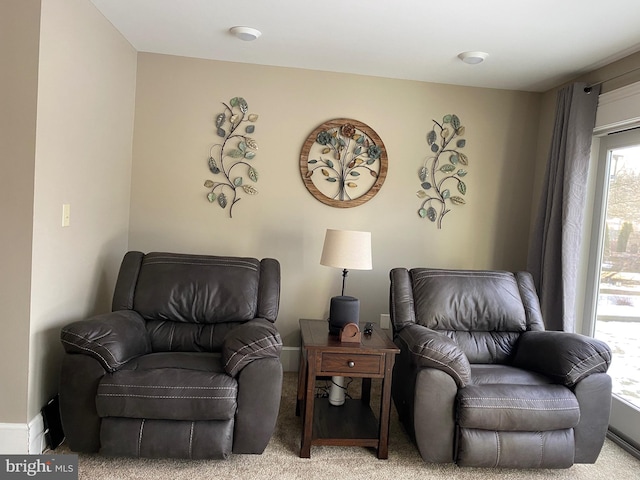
{"points": [[204, 362], [169, 392], [522, 408], [494, 373]]}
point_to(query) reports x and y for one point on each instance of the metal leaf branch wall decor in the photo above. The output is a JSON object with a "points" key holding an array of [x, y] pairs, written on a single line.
{"points": [[443, 171], [230, 159]]}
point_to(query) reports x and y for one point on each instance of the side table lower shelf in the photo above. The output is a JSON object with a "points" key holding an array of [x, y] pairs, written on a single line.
{"points": [[350, 424]]}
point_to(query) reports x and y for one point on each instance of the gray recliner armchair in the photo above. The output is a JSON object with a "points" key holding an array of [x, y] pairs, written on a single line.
{"points": [[479, 381], [186, 365]]}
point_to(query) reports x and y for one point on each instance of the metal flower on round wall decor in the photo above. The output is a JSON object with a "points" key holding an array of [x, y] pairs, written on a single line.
{"points": [[231, 160], [343, 163], [443, 171]]}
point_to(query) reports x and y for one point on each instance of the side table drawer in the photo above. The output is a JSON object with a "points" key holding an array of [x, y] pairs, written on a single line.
{"points": [[349, 363]]}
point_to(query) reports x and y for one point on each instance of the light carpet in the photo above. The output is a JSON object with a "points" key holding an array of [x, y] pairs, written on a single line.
{"points": [[280, 460]]}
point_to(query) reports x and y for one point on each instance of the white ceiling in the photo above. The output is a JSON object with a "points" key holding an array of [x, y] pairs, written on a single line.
{"points": [[532, 45]]}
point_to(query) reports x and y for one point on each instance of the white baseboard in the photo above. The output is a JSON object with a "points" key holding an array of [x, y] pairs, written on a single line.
{"points": [[290, 358], [23, 439], [14, 438], [37, 442]]}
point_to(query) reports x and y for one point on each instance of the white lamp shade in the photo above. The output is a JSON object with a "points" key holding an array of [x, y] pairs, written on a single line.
{"points": [[347, 249]]}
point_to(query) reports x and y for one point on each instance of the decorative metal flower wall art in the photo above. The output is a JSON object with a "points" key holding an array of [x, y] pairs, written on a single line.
{"points": [[231, 159], [442, 171], [343, 163]]}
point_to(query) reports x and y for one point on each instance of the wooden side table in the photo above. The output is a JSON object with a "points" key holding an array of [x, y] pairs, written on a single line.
{"points": [[354, 423]]}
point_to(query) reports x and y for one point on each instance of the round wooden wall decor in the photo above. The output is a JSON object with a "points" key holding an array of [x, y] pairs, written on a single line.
{"points": [[343, 163]]}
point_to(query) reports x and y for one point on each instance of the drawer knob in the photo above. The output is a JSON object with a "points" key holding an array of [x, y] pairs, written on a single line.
{"points": [[351, 363]]}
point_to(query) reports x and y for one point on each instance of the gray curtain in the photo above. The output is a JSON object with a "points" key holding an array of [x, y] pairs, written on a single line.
{"points": [[556, 240]]}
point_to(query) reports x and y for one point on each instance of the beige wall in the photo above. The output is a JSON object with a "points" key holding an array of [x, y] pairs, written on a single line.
{"points": [[176, 102], [19, 38], [86, 95]]}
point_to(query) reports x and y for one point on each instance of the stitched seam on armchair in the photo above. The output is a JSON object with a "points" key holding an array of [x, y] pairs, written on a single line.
{"points": [[132, 395], [462, 273], [165, 386], [541, 450], [579, 364], [247, 354], [91, 350], [205, 262], [504, 407], [519, 399], [191, 441], [446, 366], [140, 436], [498, 450]]}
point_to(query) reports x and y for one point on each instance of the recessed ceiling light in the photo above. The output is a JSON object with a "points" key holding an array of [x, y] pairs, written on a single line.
{"points": [[247, 34], [473, 58]]}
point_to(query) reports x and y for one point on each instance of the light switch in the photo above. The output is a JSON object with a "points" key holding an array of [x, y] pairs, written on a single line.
{"points": [[66, 214]]}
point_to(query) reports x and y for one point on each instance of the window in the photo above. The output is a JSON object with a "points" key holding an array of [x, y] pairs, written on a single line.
{"points": [[614, 274]]}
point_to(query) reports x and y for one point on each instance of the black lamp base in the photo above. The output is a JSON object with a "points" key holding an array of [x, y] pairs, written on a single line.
{"points": [[343, 310]]}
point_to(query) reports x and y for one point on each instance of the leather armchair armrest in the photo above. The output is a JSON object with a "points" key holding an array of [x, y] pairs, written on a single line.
{"points": [[566, 357], [250, 341], [428, 348], [112, 338]]}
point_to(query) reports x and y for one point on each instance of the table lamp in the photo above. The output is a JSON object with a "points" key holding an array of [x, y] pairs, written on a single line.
{"points": [[348, 250]]}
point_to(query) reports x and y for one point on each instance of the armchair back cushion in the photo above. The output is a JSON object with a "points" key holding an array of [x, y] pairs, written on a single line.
{"points": [[195, 289], [484, 312], [191, 302]]}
